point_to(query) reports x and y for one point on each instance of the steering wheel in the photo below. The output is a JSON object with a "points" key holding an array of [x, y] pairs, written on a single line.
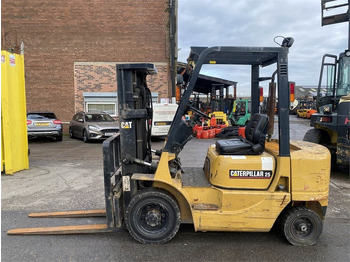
{"points": [[198, 112]]}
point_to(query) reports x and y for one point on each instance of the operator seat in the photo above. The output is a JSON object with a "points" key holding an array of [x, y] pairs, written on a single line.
{"points": [[253, 144]]}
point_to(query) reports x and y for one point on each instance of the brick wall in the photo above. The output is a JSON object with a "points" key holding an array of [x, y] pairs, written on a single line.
{"points": [[57, 34], [101, 77]]}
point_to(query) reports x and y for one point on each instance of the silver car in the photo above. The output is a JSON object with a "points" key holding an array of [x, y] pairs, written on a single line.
{"points": [[89, 126], [44, 124]]}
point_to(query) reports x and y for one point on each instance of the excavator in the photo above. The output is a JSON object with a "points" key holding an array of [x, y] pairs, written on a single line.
{"points": [[332, 121], [246, 184]]}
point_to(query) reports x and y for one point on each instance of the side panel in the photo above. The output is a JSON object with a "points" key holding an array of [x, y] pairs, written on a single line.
{"points": [[14, 141], [242, 211], [216, 209], [310, 172]]}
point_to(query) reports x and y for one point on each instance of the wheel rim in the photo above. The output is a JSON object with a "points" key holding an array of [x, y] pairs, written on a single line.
{"points": [[70, 132], [152, 218], [303, 228]]}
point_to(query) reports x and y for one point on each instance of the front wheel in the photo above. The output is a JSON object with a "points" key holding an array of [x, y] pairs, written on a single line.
{"points": [[71, 132], [301, 226], [152, 217], [85, 136]]}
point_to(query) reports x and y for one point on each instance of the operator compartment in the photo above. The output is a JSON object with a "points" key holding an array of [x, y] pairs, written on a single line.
{"points": [[239, 171]]}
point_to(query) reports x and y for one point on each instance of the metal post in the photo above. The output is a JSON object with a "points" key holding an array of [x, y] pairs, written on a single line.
{"points": [[283, 104], [255, 91]]}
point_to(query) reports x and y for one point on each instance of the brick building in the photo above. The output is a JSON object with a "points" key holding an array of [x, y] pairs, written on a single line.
{"points": [[71, 49]]}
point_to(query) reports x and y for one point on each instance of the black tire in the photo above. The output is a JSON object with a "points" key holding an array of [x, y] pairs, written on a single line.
{"points": [[85, 136], [59, 137], [232, 122], [317, 136], [301, 226], [71, 133], [152, 217]]}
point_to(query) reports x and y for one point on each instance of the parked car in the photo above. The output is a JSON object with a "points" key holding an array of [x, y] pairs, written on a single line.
{"points": [[302, 113], [310, 112], [89, 126], [44, 124]]}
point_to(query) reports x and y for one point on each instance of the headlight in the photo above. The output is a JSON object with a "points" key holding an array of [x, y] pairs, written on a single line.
{"points": [[93, 128], [326, 109]]}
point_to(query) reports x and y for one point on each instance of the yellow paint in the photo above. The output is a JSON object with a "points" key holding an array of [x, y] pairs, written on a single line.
{"points": [[219, 115], [311, 172], [224, 170], [14, 141], [301, 178], [302, 112]]}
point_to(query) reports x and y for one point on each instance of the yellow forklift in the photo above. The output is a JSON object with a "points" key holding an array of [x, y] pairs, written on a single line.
{"points": [[245, 184]]}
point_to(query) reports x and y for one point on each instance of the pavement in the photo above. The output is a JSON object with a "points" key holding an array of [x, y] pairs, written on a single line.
{"points": [[68, 175]]}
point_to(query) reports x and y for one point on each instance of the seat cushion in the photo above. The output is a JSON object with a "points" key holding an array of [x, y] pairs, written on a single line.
{"points": [[233, 146]]}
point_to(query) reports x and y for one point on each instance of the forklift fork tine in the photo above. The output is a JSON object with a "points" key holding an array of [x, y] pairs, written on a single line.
{"points": [[63, 230], [72, 214]]}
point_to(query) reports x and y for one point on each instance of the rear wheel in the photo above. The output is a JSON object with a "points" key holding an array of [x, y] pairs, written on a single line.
{"points": [[301, 226], [152, 217]]}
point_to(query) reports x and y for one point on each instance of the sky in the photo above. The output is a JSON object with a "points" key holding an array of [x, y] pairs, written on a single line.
{"points": [[257, 23]]}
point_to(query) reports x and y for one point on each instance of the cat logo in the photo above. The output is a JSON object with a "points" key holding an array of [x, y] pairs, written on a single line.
{"points": [[263, 174], [125, 125]]}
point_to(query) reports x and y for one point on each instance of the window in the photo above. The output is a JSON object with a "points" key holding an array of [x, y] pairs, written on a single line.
{"points": [[94, 107], [101, 102], [343, 79], [154, 97]]}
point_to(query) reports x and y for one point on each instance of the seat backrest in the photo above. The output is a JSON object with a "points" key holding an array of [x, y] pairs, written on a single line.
{"points": [[256, 128]]}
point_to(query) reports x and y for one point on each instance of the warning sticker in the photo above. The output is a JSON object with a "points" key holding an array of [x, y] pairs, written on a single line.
{"points": [[262, 174], [12, 60]]}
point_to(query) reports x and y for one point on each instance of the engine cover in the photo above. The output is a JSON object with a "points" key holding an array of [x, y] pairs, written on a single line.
{"points": [[239, 171]]}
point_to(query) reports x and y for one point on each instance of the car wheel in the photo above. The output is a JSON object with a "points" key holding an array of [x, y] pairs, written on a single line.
{"points": [[152, 217], [301, 226], [85, 136], [71, 133]]}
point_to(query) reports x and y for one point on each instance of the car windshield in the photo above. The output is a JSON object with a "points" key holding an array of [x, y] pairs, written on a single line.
{"points": [[41, 115], [98, 118]]}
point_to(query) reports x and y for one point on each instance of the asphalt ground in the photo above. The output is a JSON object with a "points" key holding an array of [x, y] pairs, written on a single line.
{"points": [[67, 175]]}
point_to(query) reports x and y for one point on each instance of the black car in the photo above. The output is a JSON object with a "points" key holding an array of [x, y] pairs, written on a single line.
{"points": [[44, 124]]}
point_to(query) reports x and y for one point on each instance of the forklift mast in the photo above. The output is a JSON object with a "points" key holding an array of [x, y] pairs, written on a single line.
{"points": [[135, 118]]}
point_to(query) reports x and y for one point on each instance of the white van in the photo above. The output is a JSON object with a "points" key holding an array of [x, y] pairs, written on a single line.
{"points": [[163, 115]]}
